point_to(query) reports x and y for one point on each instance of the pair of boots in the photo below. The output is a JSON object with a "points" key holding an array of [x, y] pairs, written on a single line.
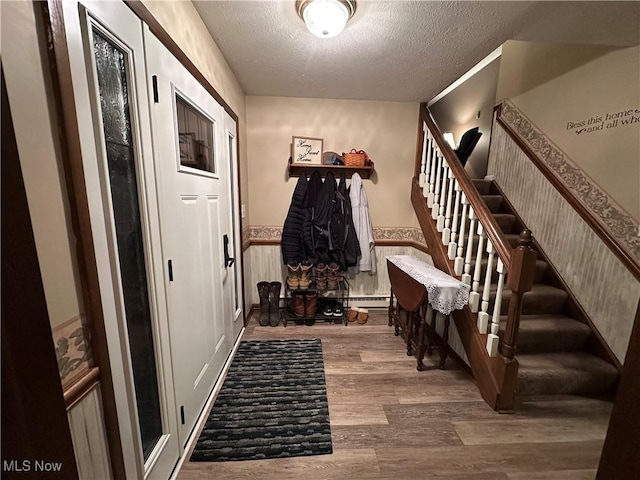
{"points": [[327, 276], [299, 278], [305, 305], [269, 294]]}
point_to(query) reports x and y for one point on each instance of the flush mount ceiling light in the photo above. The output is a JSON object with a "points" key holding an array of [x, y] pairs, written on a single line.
{"points": [[325, 18]]}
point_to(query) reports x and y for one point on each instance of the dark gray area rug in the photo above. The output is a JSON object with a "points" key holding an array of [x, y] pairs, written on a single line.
{"points": [[272, 404]]}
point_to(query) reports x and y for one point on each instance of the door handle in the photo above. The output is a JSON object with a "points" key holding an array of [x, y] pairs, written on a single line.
{"points": [[228, 261]]}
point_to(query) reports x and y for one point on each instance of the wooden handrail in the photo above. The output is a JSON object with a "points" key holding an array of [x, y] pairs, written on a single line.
{"points": [[493, 231], [618, 250]]}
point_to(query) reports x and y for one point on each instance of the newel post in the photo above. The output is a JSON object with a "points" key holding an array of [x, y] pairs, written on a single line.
{"points": [[519, 281]]}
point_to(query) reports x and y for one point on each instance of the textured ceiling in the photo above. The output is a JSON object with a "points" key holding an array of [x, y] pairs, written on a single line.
{"points": [[396, 50]]}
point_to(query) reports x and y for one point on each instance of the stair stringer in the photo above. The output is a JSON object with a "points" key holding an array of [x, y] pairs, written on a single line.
{"points": [[494, 377]]}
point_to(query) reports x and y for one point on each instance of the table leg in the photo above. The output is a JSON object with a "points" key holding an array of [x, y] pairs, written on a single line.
{"points": [[421, 332], [409, 331], [431, 332], [391, 308], [396, 320], [445, 339]]}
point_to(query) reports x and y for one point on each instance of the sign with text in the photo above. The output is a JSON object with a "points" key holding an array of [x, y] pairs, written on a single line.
{"points": [[306, 150]]}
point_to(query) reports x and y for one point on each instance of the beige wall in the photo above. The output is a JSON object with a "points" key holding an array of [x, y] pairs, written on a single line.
{"points": [[610, 154], [527, 65], [456, 113], [182, 22], [35, 129], [385, 130]]}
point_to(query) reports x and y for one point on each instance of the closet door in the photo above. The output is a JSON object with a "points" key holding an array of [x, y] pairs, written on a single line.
{"points": [[194, 202], [106, 53]]}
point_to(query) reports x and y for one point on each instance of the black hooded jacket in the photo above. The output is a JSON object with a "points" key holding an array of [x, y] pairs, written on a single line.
{"points": [[296, 232]]}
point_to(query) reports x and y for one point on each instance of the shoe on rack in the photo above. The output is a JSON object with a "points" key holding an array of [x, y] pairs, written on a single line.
{"points": [[321, 272], [305, 278], [327, 309], [337, 310], [311, 304], [293, 280], [298, 305], [332, 279]]}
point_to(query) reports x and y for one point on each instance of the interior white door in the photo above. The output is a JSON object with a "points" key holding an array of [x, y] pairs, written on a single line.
{"points": [[194, 203]]}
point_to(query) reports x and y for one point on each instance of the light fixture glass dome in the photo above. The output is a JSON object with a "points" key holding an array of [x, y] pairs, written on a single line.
{"points": [[326, 18]]}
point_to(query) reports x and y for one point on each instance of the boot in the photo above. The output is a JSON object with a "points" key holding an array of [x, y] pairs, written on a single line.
{"points": [[298, 305], [332, 280], [320, 271], [293, 280], [311, 304], [305, 279], [274, 303], [263, 293]]}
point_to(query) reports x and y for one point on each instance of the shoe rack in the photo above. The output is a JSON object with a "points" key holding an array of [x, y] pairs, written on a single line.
{"points": [[323, 298]]}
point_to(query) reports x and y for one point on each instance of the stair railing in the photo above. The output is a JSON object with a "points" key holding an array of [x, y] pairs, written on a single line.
{"points": [[469, 232]]}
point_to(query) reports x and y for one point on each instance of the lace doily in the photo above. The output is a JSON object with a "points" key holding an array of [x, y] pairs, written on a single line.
{"points": [[445, 293]]}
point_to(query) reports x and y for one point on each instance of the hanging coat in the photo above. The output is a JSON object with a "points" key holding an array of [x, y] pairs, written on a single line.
{"points": [[296, 232], [362, 225], [351, 245]]}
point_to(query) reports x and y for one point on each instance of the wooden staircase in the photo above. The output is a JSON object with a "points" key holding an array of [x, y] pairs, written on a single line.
{"points": [[555, 342], [523, 332]]}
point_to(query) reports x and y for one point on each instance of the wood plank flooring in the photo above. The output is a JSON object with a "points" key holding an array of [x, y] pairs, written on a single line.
{"points": [[389, 421]]}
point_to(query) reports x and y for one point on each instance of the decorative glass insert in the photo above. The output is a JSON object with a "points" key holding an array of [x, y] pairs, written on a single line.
{"points": [[195, 138], [111, 69]]}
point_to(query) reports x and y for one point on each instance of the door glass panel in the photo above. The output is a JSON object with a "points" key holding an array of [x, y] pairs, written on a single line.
{"points": [[111, 66], [195, 138]]}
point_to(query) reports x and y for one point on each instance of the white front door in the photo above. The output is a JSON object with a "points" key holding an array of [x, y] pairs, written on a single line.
{"points": [[194, 200], [106, 56]]}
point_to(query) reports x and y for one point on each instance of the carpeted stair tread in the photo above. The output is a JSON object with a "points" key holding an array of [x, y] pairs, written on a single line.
{"points": [[541, 268], [541, 299], [506, 221], [494, 202], [483, 186], [549, 333], [567, 373]]}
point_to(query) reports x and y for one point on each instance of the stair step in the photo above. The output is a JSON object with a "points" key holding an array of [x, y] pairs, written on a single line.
{"points": [[506, 221], [542, 299], [541, 268], [570, 373], [483, 186], [494, 202], [549, 333]]}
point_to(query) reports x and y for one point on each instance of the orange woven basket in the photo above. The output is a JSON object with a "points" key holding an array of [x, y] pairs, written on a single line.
{"points": [[355, 158]]}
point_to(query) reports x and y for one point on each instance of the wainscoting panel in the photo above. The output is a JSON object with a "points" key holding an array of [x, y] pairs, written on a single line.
{"points": [[86, 422], [607, 291]]}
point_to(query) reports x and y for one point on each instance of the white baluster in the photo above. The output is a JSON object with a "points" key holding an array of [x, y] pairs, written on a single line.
{"points": [[483, 316], [443, 195], [423, 164], [426, 188], [453, 245], [474, 296], [492, 338], [432, 174], [436, 188], [446, 232], [458, 263], [466, 277]]}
